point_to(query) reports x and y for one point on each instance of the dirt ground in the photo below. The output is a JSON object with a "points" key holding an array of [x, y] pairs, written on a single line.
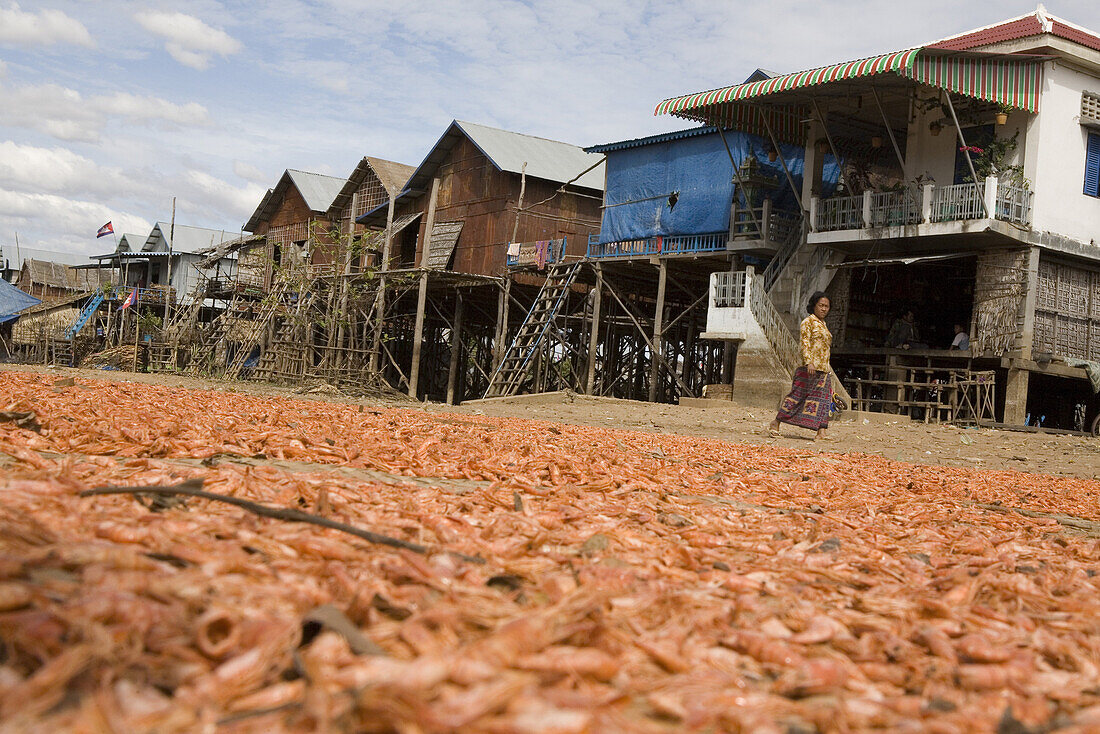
{"points": [[888, 436]]}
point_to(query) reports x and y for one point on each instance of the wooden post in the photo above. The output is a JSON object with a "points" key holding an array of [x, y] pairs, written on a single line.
{"points": [[658, 340], [137, 334], [418, 334], [380, 298], [429, 223], [422, 294], [594, 334], [456, 349]]}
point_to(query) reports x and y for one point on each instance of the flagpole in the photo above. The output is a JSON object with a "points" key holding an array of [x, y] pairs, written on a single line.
{"points": [[171, 242]]}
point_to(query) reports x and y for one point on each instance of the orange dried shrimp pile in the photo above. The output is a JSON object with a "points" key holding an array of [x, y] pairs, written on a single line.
{"points": [[632, 582]]}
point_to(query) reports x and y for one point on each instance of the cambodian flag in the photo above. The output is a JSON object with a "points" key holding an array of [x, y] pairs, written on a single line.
{"points": [[106, 229], [129, 299]]}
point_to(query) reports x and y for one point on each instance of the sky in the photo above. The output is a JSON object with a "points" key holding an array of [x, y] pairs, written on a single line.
{"points": [[110, 110]]}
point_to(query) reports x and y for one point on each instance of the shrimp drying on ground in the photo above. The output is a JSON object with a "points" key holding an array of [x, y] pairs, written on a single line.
{"points": [[574, 578]]}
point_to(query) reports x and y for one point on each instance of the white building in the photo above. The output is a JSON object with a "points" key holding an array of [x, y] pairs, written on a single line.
{"points": [[970, 193]]}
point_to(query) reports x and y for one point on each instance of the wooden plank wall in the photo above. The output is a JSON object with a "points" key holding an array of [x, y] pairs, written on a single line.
{"points": [[472, 190]]}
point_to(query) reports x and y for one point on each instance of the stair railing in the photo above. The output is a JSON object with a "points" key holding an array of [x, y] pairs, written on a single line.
{"points": [[794, 239]]}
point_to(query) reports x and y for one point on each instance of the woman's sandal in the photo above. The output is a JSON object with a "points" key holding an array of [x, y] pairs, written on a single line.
{"points": [[774, 433]]}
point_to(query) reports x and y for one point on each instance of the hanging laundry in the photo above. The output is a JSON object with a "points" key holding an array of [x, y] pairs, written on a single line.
{"points": [[541, 247], [513, 249], [660, 243]]}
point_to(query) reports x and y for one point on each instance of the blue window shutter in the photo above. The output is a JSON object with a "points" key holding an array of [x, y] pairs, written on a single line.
{"points": [[1092, 165]]}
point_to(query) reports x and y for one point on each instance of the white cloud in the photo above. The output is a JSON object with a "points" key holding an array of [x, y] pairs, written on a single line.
{"points": [[65, 114], [188, 40], [205, 190], [134, 107], [73, 222], [249, 172], [56, 170], [42, 28]]}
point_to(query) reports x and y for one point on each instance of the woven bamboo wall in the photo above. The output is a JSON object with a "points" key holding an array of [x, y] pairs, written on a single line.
{"points": [[1067, 311], [999, 289], [839, 292]]}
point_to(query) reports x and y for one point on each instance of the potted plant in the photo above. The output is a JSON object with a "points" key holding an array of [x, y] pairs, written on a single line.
{"points": [[1001, 115]]}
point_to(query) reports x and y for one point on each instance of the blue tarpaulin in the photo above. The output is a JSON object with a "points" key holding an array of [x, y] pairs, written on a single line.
{"points": [[13, 300], [641, 175]]}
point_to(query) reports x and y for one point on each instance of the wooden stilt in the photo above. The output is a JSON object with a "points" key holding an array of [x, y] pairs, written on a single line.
{"points": [[456, 349], [503, 305], [594, 333], [418, 334]]}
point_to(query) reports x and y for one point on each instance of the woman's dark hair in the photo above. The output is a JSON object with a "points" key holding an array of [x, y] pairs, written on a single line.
{"points": [[817, 296]]}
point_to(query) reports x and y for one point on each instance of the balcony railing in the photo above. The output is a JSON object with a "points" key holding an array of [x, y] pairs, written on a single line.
{"points": [[146, 296], [673, 245], [895, 208], [728, 289], [958, 202], [839, 212], [1014, 204], [929, 204], [528, 253]]}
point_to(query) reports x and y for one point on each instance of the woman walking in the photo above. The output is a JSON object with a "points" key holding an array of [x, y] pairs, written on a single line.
{"points": [[807, 404]]}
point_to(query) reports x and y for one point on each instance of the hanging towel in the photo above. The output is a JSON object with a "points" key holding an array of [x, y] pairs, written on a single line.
{"points": [[513, 249], [541, 247]]}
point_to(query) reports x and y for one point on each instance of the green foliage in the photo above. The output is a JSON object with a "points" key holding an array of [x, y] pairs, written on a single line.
{"points": [[993, 161]]}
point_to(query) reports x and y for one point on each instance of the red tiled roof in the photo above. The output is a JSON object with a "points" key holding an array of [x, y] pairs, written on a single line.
{"points": [[1076, 35], [1015, 29]]}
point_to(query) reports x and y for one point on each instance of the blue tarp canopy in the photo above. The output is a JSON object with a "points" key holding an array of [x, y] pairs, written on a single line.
{"points": [[13, 300], [694, 164]]}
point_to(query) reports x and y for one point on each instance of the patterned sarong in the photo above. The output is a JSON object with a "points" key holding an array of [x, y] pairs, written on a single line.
{"points": [[807, 404]]}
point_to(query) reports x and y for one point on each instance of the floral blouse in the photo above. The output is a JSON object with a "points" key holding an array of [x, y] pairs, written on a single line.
{"points": [[814, 342]]}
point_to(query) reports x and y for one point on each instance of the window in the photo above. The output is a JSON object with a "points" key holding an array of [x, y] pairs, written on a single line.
{"points": [[1092, 165]]}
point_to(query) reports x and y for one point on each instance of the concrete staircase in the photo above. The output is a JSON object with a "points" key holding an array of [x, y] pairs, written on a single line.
{"points": [[778, 298]]}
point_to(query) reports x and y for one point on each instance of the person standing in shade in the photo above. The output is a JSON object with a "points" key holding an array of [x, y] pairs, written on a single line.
{"points": [[962, 339], [807, 404]]}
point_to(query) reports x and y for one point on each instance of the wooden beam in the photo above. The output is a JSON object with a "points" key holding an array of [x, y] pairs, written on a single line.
{"points": [[641, 330]]}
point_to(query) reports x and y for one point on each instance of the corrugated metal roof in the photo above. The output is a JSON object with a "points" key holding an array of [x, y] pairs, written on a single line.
{"points": [[16, 258], [546, 159], [186, 239], [317, 189], [131, 243], [652, 139]]}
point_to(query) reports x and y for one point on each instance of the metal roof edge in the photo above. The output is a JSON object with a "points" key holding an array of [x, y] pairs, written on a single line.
{"points": [[652, 139]]}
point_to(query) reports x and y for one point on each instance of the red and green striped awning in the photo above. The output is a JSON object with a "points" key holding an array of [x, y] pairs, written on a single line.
{"points": [[1012, 82]]}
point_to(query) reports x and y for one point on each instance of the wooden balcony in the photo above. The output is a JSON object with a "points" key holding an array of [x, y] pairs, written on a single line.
{"points": [[762, 230], [691, 245]]}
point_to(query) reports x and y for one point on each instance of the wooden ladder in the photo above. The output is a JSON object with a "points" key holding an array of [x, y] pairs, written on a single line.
{"points": [[272, 302], [516, 365]]}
